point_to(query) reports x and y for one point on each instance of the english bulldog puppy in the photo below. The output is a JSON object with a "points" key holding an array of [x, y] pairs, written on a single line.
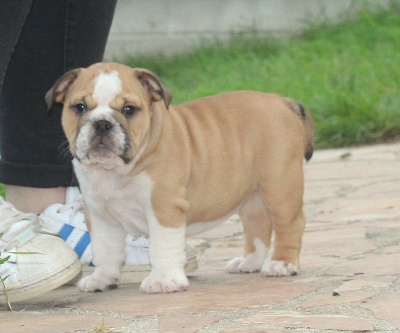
{"points": [[151, 168]]}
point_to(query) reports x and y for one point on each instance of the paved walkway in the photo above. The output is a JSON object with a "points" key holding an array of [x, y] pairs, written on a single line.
{"points": [[349, 280]]}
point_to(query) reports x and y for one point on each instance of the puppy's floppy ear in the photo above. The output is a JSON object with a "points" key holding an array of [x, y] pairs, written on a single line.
{"points": [[58, 92], [153, 85]]}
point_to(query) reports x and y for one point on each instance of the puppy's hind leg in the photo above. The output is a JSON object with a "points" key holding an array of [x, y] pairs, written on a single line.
{"points": [[283, 195], [285, 258], [257, 227]]}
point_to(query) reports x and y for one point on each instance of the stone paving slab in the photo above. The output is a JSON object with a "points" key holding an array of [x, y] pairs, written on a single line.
{"points": [[321, 322], [349, 279]]}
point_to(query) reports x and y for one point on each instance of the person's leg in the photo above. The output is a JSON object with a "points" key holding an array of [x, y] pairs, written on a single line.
{"points": [[31, 165], [34, 199]]}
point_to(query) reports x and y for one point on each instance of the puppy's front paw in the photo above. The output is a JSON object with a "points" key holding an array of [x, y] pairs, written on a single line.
{"points": [[278, 268], [95, 283], [164, 282], [243, 265]]}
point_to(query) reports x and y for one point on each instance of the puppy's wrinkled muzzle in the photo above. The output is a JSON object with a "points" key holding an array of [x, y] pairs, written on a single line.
{"points": [[101, 141]]}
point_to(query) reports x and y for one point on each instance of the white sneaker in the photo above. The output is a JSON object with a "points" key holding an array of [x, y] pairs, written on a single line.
{"points": [[29, 275], [68, 221]]}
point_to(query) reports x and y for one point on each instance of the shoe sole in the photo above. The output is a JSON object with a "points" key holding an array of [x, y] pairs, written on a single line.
{"points": [[133, 274], [43, 286]]}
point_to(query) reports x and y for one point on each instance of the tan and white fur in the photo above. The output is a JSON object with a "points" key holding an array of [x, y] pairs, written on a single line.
{"points": [[147, 167]]}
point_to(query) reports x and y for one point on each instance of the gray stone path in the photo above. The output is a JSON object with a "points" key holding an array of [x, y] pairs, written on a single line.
{"points": [[351, 249]]}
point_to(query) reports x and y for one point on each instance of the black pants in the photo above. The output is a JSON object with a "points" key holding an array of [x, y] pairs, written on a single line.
{"points": [[39, 41]]}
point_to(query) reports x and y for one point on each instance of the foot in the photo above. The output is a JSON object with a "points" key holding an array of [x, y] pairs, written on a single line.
{"points": [[246, 264], [99, 280], [68, 221], [252, 262], [278, 268], [51, 263], [165, 281]]}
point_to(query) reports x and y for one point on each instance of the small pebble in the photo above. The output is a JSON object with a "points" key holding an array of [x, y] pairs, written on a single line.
{"points": [[345, 155]]}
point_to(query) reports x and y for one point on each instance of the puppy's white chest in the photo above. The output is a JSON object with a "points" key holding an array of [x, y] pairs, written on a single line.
{"points": [[119, 199]]}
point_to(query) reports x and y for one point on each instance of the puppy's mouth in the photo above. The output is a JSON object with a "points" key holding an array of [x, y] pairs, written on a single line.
{"points": [[99, 142], [107, 144]]}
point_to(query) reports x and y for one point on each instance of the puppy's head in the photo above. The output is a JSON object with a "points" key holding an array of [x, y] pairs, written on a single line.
{"points": [[107, 111]]}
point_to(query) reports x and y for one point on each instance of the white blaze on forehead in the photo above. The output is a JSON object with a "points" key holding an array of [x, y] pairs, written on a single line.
{"points": [[107, 87]]}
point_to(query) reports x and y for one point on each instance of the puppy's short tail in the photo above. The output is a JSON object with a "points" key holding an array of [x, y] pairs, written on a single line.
{"points": [[307, 121]]}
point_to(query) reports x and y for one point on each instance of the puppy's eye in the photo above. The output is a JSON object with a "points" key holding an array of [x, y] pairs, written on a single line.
{"points": [[79, 108], [129, 110]]}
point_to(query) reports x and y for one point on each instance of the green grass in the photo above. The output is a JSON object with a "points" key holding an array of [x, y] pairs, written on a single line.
{"points": [[346, 74]]}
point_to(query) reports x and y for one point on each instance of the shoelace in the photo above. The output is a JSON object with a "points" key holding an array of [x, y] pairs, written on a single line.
{"points": [[17, 227]]}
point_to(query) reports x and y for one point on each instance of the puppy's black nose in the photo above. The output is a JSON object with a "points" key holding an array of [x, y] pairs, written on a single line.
{"points": [[102, 127]]}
